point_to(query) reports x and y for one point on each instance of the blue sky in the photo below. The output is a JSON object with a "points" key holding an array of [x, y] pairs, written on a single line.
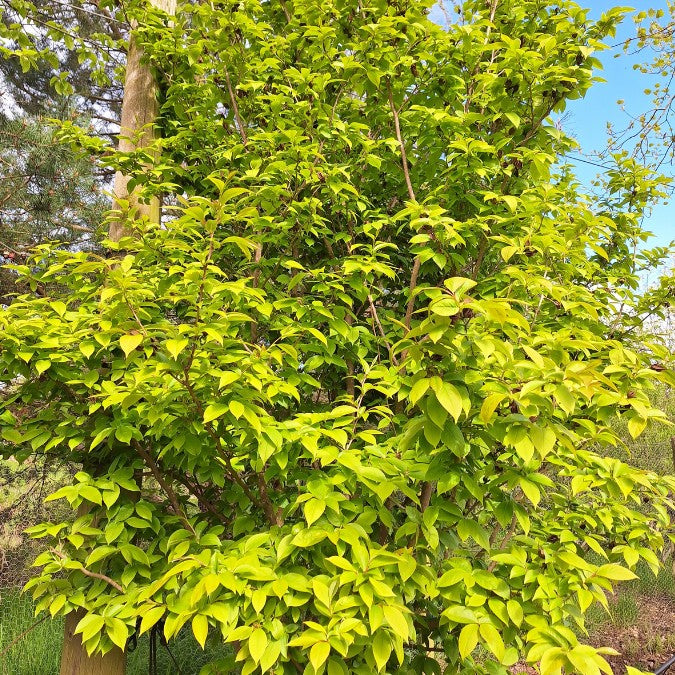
{"points": [[586, 119]]}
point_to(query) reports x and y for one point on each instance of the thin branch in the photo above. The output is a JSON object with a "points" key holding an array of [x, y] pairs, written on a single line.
{"points": [[267, 508], [399, 138], [152, 465], [89, 573], [235, 107], [411, 193], [23, 635], [376, 318], [482, 249]]}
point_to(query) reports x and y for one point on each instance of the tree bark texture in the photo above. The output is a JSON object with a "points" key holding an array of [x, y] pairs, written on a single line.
{"points": [[139, 112]]}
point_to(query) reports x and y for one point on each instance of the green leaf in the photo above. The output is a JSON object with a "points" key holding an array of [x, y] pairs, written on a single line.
{"points": [[565, 399], [530, 490], [59, 307], [493, 640], [257, 644], [407, 567], [381, 649], [470, 528], [468, 639], [615, 572], [98, 554], [309, 537], [57, 604], [88, 625], [130, 342], [636, 425], [176, 345], [112, 531], [236, 408], [117, 631], [90, 493], [318, 654], [314, 509], [418, 390], [515, 611], [397, 621], [214, 411], [12, 435], [124, 434], [489, 406], [460, 614], [200, 628], [448, 396], [151, 617], [552, 661]]}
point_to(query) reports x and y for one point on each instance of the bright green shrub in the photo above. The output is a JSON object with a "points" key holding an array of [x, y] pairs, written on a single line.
{"points": [[365, 369]]}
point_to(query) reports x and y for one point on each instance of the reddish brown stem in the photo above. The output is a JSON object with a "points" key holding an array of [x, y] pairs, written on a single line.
{"points": [[89, 573], [168, 490], [425, 497]]}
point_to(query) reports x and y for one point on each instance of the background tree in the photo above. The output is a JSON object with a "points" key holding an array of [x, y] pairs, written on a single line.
{"points": [[366, 365], [67, 71], [62, 56], [650, 135], [48, 193]]}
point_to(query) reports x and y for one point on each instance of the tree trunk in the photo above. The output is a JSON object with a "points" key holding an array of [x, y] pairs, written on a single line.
{"points": [[74, 658], [139, 111]]}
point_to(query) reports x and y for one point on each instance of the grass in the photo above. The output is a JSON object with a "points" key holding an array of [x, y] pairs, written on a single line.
{"points": [[652, 449], [39, 652]]}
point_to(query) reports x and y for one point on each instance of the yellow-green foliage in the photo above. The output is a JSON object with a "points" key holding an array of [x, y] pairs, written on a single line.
{"points": [[371, 362]]}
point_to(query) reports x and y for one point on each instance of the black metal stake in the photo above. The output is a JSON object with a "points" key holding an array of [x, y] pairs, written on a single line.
{"points": [[666, 666]]}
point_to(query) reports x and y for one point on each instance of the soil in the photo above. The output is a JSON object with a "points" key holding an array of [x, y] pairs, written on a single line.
{"points": [[647, 645]]}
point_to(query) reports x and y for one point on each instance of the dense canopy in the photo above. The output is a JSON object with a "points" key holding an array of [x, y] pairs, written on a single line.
{"points": [[345, 407]]}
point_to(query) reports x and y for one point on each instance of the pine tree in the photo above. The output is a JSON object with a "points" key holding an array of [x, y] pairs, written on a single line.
{"points": [[76, 47], [47, 192]]}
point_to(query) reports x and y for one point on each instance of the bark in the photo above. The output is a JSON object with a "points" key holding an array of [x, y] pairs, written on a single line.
{"points": [[139, 111], [74, 659]]}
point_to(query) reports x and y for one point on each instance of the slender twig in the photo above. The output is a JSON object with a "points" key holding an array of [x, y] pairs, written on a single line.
{"points": [[272, 516], [399, 138], [152, 465], [482, 249], [235, 107], [89, 573], [411, 193], [23, 635], [376, 318]]}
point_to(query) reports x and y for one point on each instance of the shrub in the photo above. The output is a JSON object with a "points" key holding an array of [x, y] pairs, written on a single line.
{"points": [[364, 365]]}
